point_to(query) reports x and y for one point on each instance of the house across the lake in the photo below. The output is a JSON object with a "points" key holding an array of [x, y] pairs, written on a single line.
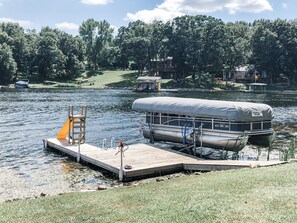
{"points": [[164, 68]]}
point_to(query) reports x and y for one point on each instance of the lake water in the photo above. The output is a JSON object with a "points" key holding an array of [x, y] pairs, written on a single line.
{"points": [[28, 116]]}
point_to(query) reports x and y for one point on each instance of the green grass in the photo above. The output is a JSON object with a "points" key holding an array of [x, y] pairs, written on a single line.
{"points": [[123, 79], [247, 195], [117, 78], [94, 79]]}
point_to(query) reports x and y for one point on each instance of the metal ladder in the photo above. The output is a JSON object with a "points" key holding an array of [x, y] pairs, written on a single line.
{"points": [[77, 125]]}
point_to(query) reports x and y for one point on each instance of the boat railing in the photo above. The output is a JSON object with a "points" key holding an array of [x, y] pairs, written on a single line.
{"points": [[209, 123]]}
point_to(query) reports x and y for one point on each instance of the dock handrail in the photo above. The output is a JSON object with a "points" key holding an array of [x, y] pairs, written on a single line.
{"points": [[103, 143]]}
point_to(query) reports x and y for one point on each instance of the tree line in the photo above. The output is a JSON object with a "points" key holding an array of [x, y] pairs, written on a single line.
{"points": [[197, 45]]}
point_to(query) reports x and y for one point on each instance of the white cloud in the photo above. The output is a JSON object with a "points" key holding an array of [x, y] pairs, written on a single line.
{"points": [[67, 26], [96, 2], [284, 5], [1, 2], [155, 14], [172, 8], [23, 23]]}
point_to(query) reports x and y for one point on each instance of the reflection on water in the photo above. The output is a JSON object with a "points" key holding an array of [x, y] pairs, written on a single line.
{"points": [[27, 117]]}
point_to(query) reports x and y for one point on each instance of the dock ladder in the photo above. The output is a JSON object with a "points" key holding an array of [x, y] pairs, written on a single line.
{"points": [[77, 125]]}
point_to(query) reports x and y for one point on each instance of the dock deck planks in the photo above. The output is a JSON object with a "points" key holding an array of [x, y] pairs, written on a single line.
{"points": [[148, 160]]}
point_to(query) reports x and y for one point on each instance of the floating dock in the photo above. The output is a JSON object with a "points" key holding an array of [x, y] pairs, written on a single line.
{"points": [[143, 160]]}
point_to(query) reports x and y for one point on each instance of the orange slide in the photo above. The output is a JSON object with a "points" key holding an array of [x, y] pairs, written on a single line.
{"points": [[65, 130]]}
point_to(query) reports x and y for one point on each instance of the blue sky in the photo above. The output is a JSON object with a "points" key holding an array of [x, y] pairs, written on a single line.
{"points": [[67, 15]]}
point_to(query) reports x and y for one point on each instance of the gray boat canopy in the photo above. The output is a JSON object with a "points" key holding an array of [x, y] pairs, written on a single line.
{"points": [[227, 110]]}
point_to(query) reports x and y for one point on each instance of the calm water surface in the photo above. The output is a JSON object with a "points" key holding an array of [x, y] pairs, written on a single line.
{"points": [[28, 116]]}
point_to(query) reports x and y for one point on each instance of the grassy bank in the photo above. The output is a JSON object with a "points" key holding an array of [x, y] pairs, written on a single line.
{"points": [[246, 195], [117, 78], [126, 79], [98, 79]]}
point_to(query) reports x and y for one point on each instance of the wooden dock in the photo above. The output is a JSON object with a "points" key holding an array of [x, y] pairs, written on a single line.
{"points": [[142, 160]]}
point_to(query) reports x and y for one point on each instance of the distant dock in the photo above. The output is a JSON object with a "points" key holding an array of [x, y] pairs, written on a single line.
{"points": [[142, 160]]}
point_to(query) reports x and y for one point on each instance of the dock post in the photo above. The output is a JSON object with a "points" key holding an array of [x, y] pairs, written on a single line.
{"points": [[194, 136], [194, 148], [44, 143], [201, 143], [121, 151], [121, 172], [70, 118], [78, 153]]}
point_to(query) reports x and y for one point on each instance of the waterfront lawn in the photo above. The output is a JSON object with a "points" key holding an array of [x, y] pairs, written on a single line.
{"points": [[116, 78], [94, 79], [247, 195]]}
